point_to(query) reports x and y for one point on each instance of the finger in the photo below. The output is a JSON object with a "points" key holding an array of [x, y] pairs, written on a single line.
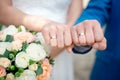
{"points": [[53, 36], [69, 48], [46, 35], [89, 33], [67, 36], [60, 40], [81, 34], [100, 45], [74, 35], [98, 33]]}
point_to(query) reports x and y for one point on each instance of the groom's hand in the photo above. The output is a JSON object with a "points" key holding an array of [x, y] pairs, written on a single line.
{"points": [[90, 33], [57, 35]]}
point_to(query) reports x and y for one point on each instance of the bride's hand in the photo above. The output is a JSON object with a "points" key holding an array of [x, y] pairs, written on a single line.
{"points": [[57, 35]]}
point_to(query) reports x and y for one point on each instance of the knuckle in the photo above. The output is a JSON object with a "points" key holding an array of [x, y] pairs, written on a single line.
{"points": [[95, 21], [98, 39], [60, 28], [90, 41], [75, 40], [87, 22]]}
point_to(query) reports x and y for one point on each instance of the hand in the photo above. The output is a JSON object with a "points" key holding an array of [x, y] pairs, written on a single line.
{"points": [[90, 33], [57, 35]]}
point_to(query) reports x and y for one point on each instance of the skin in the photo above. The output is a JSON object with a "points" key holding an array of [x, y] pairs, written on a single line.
{"points": [[93, 35], [74, 11], [66, 36], [9, 15]]}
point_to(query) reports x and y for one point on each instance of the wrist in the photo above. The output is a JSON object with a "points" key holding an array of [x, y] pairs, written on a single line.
{"points": [[35, 23]]}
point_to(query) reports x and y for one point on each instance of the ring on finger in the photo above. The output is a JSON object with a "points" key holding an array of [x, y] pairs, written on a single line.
{"points": [[81, 34], [53, 37]]}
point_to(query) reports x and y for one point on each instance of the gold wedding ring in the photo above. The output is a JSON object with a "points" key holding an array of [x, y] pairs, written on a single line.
{"points": [[53, 37], [81, 34]]}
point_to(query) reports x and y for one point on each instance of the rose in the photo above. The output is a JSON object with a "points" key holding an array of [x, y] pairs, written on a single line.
{"points": [[10, 76], [11, 30], [16, 45], [22, 60], [2, 71], [4, 46], [46, 71], [2, 36], [33, 67], [35, 52], [39, 38], [5, 62], [24, 36], [27, 75]]}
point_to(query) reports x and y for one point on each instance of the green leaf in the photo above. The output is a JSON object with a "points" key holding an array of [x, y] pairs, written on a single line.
{"points": [[34, 33], [39, 70], [6, 54], [25, 45], [9, 38], [1, 55], [2, 78], [1, 26], [52, 61], [31, 62]]}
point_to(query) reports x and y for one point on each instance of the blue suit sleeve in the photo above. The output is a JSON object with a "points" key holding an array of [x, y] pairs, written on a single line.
{"points": [[96, 10]]}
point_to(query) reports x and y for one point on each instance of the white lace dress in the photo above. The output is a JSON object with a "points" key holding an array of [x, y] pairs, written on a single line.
{"points": [[55, 10]]}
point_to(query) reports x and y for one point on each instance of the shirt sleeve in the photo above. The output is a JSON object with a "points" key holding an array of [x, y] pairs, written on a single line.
{"points": [[96, 10]]}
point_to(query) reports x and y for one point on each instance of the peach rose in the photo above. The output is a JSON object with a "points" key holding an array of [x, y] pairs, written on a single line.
{"points": [[24, 36], [16, 45], [5, 62], [2, 71], [46, 70]]}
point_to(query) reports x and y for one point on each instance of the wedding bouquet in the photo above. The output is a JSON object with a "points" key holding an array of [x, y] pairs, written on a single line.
{"points": [[23, 55]]}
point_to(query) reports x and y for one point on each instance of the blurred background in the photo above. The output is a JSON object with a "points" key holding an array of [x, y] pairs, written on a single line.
{"points": [[83, 63]]}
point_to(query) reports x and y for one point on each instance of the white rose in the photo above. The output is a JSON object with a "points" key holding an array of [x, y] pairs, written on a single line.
{"points": [[4, 46], [5, 62], [11, 30], [27, 75], [22, 60], [33, 67], [10, 76], [16, 45], [40, 38], [35, 52], [2, 36]]}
